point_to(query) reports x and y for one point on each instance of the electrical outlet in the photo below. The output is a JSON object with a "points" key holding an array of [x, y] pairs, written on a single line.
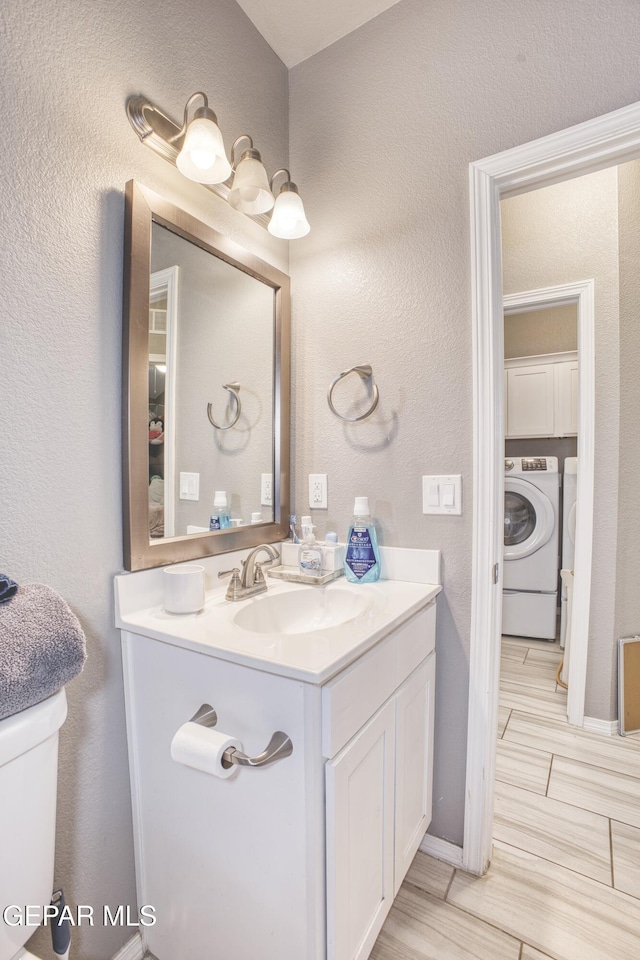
{"points": [[266, 490], [318, 491]]}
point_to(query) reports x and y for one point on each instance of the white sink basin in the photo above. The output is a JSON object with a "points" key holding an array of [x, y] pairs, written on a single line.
{"points": [[304, 610]]}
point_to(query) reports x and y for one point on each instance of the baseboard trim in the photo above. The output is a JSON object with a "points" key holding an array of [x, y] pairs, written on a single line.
{"points": [[442, 850], [132, 950], [609, 728]]}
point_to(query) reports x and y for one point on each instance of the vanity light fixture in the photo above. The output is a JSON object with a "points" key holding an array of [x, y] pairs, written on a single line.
{"points": [[250, 191], [197, 150], [288, 220], [203, 157]]}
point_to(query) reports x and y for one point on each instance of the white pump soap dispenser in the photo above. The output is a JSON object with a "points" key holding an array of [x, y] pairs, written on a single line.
{"points": [[310, 553]]}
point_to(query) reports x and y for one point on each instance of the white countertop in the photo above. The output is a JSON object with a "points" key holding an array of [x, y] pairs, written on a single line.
{"points": [[313, 657]]}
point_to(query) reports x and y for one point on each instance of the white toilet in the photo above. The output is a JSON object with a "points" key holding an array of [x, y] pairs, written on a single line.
{"points": [[28, 780]]}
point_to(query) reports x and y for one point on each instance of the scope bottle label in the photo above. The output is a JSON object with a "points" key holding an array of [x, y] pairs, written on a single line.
{"points": [[360, 554]]}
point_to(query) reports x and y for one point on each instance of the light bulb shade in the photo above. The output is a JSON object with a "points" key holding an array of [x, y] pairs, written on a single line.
{"points": [[288, 220], [250, 191], [203, 156]]}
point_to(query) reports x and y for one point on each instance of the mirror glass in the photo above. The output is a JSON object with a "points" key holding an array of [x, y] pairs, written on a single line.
{"points": [[205, 392], [211, 338]]}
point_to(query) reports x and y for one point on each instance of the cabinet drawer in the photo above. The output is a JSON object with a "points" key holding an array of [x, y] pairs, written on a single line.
{"points": [[355, 694], [414, 641]]}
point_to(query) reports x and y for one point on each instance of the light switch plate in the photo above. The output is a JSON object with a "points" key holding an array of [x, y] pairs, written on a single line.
{"points": [[189, 486], [442, 495], [266, 490], [318, 491]]}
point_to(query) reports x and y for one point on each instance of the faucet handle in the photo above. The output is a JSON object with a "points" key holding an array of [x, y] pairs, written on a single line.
{"points": [[234, 588]]}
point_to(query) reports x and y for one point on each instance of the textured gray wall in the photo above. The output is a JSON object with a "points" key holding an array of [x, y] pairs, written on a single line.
{"points": [[383, 126], [67, 150], [567, 232], [536, 332], [627, 620], [225, 333]]}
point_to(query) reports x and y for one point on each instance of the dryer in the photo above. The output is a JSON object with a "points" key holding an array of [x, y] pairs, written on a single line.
{"points": [[531, 542], [569, 499]]}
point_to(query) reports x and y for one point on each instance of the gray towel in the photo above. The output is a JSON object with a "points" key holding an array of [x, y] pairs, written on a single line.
{"points": [[42, 647]]}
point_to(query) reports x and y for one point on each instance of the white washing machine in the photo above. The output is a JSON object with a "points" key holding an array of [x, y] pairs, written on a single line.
{"points": [[569, 497], [531, 542]]}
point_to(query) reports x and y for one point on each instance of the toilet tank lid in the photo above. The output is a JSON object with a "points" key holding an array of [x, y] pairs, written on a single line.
{"points": [[25, 730]]}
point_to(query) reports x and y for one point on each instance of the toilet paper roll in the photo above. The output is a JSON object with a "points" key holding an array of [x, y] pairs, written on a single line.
{"points": [[202, 748]]}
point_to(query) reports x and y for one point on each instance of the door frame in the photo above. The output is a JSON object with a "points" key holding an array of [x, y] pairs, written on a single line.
{"points": [[603, 142], [581, 295], [164, 283]]}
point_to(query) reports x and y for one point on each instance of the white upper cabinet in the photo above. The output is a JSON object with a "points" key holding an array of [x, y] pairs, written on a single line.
{"points": [[567, 392], [541, 396]]}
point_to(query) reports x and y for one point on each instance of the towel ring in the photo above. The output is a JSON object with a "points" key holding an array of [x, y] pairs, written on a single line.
{"points": [[234, 389], [365, 372]]}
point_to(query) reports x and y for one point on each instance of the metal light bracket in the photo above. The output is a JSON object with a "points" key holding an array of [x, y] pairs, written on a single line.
{"points": [[164, 136]]}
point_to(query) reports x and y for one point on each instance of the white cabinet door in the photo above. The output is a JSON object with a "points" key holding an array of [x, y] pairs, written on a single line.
{"points": [[567, 393], [360, 825], [530, 401], [414, 764]]}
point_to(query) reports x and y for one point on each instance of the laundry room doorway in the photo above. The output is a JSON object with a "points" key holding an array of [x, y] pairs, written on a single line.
{"points": [[548, 336], [597, 145]]}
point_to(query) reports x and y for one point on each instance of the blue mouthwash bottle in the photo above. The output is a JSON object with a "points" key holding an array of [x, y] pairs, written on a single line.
{"points": [[362, 562], [219, 519]]}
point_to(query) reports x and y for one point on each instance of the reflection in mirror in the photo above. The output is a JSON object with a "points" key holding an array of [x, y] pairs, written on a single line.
{"points": [[206, 390], [163, 312], [215, 329]]}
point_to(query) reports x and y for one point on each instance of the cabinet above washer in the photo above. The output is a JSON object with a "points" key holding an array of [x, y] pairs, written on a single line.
{"points": [[541, 396]]}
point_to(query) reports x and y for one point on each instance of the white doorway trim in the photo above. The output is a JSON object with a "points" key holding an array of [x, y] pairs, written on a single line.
{"points": [[581, 295], [164, 284], [611, 139]]}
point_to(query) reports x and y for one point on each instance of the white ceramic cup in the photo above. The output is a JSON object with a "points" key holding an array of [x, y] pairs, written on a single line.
{"points": [[183, 586]]}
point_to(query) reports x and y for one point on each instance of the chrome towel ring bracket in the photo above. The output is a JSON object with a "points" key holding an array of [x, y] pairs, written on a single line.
{"points": [[365, 372], [234, 391]]}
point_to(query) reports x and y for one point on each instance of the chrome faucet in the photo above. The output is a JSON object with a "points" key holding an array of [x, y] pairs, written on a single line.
{"points": [[251, 580]]}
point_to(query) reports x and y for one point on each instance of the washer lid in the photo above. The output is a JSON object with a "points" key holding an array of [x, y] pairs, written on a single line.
{"points": [[529, 519]]}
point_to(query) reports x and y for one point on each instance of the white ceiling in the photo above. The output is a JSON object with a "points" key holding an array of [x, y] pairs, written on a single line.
{"points": [[296, 29]]}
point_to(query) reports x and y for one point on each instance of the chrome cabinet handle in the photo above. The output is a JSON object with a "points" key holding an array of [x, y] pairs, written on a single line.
{"points": [[279, 747]]}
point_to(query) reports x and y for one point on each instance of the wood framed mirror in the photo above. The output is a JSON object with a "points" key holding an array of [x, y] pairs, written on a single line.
{"points": [[206, 356]]}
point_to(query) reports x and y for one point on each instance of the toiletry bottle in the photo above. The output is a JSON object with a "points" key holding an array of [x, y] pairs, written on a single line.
{"points": [[362, 561], [256, 517], [309, 554], [219, 519]]}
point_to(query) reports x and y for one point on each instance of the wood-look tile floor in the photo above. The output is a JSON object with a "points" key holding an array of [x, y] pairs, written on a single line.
{"points": [[564, 882]]}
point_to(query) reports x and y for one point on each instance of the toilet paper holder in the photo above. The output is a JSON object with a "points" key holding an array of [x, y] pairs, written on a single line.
{"points": [[279, 747]]}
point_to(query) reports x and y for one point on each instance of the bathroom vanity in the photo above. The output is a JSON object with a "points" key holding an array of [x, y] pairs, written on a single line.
{"points": [[299, 859]]}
